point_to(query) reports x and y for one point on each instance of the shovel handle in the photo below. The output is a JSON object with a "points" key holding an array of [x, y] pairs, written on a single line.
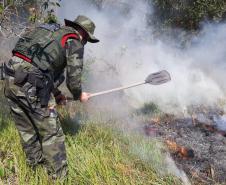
{"points": [[116, 89]]}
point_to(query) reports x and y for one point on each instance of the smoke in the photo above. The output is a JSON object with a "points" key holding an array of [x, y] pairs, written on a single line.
{"points": [[130, 50], [221, 122], [179, 173]]}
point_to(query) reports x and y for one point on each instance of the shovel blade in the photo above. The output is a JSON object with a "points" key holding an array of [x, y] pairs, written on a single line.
{"points": [[158, 78]]}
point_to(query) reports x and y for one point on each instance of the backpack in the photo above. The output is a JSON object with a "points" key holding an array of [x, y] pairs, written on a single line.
{"points": [[44, 46]]}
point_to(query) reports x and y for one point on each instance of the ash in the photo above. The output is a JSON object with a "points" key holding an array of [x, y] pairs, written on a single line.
{"points": [[203, 138]]}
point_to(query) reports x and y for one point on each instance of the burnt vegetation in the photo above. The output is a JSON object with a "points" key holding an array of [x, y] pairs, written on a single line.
{"points": [[196, 142]]}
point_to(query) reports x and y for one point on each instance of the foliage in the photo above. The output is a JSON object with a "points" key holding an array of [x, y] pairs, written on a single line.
{"points": [[149, 109], [45, 12], [50, 18], [188, 14], [39, 10]]}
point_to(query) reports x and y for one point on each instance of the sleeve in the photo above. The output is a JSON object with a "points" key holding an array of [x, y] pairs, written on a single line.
{"points": [[75, 51]]}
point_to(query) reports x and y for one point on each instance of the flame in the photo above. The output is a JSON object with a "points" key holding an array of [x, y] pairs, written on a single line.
{"points": [[182, 151], [155, 120], [172, 145], [212, 129]]}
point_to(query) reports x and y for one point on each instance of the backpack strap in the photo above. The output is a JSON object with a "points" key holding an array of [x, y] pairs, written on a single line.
{"points": [[19, 55], [68, 36]]}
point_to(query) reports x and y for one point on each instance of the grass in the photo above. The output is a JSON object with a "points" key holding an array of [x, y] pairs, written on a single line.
{"points": [[149, 109], [97, 154]]}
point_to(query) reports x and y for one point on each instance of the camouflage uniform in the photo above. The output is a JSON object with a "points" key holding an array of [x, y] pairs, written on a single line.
{"points": [[41, 134]]}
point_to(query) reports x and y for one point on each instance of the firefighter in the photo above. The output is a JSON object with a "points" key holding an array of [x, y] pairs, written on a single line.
{"points": [[33, 74]]}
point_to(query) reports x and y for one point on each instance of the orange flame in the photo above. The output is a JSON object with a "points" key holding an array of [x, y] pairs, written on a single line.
{"points": [[182, 151]]}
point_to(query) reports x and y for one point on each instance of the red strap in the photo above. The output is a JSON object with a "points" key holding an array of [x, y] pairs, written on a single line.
{"points": [[66, 37], [22, 57]]}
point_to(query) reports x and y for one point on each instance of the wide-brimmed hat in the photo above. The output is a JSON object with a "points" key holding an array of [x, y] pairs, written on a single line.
{"points": [[86, 24]]}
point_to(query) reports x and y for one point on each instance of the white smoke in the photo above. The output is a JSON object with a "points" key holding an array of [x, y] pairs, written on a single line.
{"points": [[129, 48], [221, 122], [179, 173]]}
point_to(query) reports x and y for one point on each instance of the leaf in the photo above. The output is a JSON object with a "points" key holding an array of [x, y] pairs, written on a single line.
{"points": [[58, 4], [10, 164], [2, 171], [45, 5]]}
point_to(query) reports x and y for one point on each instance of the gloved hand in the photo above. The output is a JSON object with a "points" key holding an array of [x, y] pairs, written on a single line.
{"points": [[61, 99]]}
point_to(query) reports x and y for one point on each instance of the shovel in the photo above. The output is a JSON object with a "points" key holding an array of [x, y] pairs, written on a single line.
{"points": [[157, 78]]}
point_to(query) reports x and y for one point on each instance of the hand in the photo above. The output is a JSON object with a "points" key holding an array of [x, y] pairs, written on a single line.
{"points": [[61, 99], [84, 97]]}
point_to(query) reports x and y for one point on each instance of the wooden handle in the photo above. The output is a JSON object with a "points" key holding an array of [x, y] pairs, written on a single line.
{"points": [[116, 89]]}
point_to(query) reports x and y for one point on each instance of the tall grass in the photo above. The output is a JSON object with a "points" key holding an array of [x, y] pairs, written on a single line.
{"points": [[96, 155]]}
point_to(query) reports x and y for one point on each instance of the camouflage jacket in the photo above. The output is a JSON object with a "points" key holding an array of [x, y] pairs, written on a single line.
{"points": [[71, 58]]}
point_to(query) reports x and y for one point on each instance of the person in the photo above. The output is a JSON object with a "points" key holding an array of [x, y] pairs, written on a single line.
{"points": [[33, 75]]}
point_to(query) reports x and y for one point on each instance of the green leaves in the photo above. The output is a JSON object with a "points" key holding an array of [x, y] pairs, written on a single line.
{"points": [[50, 19], [188, 14], [32, 18], [49, 3]]}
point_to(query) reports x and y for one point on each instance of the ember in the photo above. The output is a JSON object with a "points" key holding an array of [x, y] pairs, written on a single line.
{"points": [[198, 140], [179, 150], [211, 129]]}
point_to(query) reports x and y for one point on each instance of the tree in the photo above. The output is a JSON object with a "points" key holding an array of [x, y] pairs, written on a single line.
{"points": [[16, 16]]}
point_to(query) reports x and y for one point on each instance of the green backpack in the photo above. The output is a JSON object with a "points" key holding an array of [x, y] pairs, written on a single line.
{"points": [[44, 46]]}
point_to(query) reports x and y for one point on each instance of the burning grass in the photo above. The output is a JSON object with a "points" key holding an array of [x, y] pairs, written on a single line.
{"points": [[196, 143], [98, 154], [181, 151]]}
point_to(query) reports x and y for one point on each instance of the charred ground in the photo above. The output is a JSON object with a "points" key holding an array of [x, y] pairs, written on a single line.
{"points": [[195, 142]]}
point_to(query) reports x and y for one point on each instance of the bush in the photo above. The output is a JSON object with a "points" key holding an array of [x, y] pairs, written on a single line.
{"points": [[188, 14]]}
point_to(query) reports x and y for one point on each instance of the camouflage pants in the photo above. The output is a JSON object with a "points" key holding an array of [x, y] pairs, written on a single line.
{"points": [[41, 134]]}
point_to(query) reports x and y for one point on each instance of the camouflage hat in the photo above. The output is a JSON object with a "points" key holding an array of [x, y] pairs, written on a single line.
{"points": [[86, 24]]}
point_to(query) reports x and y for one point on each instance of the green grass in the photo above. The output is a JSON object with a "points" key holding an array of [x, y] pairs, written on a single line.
{"points": [[149, 109], [97, 154]]}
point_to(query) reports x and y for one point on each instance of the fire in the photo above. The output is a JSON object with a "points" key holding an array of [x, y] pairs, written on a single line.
{"points": [[180, 150], [211, 129], [155, 120]]}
